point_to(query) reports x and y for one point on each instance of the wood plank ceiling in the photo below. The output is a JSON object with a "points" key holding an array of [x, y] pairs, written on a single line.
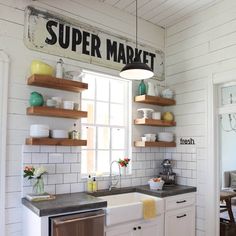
{"points": [[161, 12]]}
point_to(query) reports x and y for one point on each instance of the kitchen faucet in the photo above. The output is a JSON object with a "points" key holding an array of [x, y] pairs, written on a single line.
{"points": [[111, 185]]}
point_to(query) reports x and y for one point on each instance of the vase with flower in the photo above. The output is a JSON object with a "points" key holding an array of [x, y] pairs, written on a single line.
{"points": [[36, 175], [124, 165]]}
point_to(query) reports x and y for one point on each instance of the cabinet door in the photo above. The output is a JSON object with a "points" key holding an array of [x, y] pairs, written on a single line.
{"points": [[121, 230], [180, 222], [153, 227]]}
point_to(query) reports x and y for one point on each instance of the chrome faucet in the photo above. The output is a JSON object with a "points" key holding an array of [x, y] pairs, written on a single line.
{"points": [[111, 185]]}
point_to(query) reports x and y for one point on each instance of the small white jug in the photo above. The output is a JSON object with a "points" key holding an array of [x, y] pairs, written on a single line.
{"points": [[151, 89]]}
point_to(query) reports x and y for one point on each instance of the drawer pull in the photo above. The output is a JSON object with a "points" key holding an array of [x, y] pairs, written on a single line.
{"points": [[134, 228], [181, 201], [139, 227], [181, 216]]}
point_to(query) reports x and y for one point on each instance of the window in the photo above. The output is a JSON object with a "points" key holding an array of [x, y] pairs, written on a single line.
{"points": [[106, 128]]}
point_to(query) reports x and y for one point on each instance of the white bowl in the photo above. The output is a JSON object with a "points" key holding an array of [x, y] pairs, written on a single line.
{"points": [[39, 133], [68, 105], [167, 93], [39, 127], [58, 133], [150, 137], [156, 185], [165, 137]]}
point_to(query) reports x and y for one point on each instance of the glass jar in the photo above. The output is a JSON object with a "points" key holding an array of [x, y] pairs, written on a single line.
{"points": [[38, 187]]}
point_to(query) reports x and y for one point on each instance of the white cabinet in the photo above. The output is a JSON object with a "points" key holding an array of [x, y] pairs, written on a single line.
{"points": [[154, 227], [180, 215]]}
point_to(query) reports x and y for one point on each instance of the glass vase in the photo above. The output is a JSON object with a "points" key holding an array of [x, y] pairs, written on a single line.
{"points": [[38, 187], [124, 170]]}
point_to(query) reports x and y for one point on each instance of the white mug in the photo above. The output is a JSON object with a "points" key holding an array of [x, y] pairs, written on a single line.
{"points": [[156, 115]]}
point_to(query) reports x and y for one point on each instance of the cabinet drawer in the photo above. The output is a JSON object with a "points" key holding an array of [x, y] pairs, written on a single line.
{"points": [[180, 201]]}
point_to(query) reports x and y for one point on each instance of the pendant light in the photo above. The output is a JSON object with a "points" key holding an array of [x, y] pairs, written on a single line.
{"points": [[136, 70]]}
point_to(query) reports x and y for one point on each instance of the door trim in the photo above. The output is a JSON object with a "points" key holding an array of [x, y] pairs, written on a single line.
{"points": [[4, 59]]}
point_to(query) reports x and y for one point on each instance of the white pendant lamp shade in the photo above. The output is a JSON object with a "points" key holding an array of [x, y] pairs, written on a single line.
{"points": [[136, 70]]}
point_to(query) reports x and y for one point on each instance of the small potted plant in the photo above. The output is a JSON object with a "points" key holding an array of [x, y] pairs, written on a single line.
{"points": [[35, 174], [124, 165]]}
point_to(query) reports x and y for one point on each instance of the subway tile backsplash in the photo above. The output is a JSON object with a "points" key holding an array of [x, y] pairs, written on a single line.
{"points": [[64, 167]]}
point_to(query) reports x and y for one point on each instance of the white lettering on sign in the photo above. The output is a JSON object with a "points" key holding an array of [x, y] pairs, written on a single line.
{"points": [[51, 33]]}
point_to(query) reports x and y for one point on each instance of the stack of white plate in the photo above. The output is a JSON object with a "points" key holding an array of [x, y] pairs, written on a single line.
{"points": [[58, 133], [166, 137], [39, 131]]}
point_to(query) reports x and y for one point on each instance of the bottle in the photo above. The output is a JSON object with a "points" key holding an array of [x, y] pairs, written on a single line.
{"points": [[95, 187], [59, 69], [142, 88], [74, 133], [89, 184]]}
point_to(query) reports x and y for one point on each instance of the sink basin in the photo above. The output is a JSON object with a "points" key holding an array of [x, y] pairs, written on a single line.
{"points": [[128, 207]]}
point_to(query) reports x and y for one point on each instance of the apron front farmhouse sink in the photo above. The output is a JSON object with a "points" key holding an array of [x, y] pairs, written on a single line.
{"points": [[128, 207]]}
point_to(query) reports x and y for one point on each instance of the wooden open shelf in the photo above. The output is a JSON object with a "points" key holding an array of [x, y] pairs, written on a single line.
{"points": [[154, 144], [152, 122], [55, 83], [55, 141], [154, 100], [55, 112]]}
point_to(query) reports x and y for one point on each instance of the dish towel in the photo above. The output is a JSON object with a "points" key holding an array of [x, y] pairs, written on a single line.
{"points": [[149, 208]]}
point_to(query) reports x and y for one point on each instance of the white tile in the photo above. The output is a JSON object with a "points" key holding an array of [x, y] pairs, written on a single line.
{"points": [[30, 148], [13, 168], [136, 181], [46, 148], [76, 168], [26, 157], [186, 173], [51, 168], [186, 157], [62, 168], [50, 189], [40, 157], [13, 199], [62, 188], [13, 183], [70, 158], [63, 149], [55, 179], [55, 157], [14, 229], [140, 156], [13, 215], [70, 178], [176, 156], [78, 187]]}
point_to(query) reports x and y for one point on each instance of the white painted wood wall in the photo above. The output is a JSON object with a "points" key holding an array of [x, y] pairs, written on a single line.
{"points": [[11, 40], [198, 48]]}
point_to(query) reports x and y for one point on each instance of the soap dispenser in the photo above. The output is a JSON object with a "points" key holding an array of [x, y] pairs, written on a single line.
{"points": [[95, 187], [89, 184]]}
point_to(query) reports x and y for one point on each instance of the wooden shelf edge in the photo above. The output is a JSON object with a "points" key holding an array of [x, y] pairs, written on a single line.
{"points": [[154, 144], [56, 112], [152, 122], [55, 142], [154, 100], [56, 83]]}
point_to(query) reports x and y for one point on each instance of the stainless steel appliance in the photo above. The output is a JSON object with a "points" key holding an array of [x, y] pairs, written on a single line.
{"points": [[82, 224], [168, 175]]}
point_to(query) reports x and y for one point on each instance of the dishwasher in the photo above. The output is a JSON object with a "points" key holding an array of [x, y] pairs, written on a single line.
{"points": [[89, 223]]}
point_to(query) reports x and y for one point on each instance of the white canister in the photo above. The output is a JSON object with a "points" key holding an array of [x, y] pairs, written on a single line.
{"points": [[151, 89], [58, 100], [156, 115]]}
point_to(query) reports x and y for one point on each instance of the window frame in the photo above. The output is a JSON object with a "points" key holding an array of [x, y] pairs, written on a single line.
{"points": [[127, 104]]}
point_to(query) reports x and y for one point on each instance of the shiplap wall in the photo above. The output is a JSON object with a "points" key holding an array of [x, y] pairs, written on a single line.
{"points": [[11, 41], [197, 48]]}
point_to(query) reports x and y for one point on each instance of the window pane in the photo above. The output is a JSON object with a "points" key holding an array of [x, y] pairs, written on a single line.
{"points": [[89, 133], [117, 91], [102, 116], [90, 92], [89, 107], [103, 161], [102, 89], [115, 157], [88, 162], [117, 114], [118, 138], [103, 138]]}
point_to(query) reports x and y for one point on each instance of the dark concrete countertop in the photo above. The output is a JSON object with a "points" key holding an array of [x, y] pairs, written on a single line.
{"points": [[65, 203], [73, 202], [167, 191]]}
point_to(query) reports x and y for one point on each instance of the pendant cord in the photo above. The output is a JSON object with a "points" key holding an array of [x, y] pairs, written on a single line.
{"points": [[136, 23]]}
